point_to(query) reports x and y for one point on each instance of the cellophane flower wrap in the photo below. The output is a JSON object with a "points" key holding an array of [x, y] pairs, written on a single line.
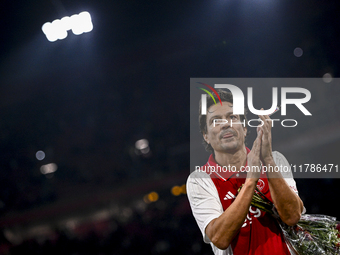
{"points": [[314, 234]]}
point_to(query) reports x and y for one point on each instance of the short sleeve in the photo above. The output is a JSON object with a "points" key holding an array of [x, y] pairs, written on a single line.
{"points": [[286, 171], [204, 200], [285, 168]]}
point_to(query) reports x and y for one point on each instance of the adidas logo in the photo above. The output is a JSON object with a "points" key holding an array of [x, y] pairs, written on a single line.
{"points": [[229, 195]]}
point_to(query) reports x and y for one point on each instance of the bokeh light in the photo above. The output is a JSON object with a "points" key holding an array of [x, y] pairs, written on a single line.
{"points": [[298, 52], [151, 197], [48, 168], [327, 78], [40, 155]]}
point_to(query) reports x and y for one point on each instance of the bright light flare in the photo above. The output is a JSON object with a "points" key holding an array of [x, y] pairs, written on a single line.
{"points": [[78, 23], [66, 23], [84, 22]]}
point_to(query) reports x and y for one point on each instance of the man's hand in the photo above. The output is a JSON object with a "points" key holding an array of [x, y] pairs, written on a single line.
{"points": [[253, 159], [266, 143]]}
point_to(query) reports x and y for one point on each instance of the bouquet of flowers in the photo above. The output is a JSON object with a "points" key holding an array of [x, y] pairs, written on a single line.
{"points": [[314, 234]]}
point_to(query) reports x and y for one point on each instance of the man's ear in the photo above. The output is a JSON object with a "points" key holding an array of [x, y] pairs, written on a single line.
{"points": [[205, 137]]}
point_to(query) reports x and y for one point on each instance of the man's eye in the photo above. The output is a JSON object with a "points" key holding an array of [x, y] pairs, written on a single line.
{"points": [[233, 117]]}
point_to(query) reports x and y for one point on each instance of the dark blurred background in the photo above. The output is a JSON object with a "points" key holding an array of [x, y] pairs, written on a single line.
{"points": [[73, 180]]}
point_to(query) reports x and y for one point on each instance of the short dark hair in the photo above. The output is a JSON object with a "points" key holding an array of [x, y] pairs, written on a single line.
{"points": [[225, 96]]}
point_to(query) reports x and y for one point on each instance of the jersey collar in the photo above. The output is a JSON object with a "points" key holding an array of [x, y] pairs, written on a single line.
{"points": [[223, 174]]}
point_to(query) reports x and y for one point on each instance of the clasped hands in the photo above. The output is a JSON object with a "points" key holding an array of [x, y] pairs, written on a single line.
{"points": [[262, 148]]}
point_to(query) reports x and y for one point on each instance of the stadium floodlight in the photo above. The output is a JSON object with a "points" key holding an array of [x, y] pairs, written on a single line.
{"points": [[78, 23]]}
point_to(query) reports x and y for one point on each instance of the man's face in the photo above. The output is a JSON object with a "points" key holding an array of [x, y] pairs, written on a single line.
{"points": [[223, 137]]}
